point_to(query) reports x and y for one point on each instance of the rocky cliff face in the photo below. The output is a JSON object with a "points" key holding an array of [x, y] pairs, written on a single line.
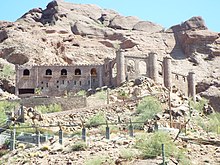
{"points": [[66, 33]]}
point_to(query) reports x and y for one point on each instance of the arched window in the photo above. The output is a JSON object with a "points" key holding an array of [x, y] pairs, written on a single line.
{"points": [[48, 72], [114, 70], [142, 67], [77, 72], [63, 72], [93, 72], [26, 72]]}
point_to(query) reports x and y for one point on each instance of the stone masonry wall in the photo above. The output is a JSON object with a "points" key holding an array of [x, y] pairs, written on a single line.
{"points": [[66, 103]]}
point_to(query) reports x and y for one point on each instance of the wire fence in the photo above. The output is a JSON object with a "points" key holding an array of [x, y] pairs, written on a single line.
{"points": [[19, 133]]}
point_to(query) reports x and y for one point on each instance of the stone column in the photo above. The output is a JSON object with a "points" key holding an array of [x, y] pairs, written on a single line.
{"points": [[110, 83], [191, 85], [16, 80], [100, 76], [120, 60], [153, 70], [167, 75]]}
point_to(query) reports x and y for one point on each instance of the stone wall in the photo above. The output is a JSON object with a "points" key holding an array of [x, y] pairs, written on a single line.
{"points": [[56, 80], [113, 72], [67, 103]]}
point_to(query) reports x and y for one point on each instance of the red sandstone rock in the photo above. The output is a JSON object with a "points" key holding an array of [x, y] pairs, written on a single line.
{"points": [[147, 26]]}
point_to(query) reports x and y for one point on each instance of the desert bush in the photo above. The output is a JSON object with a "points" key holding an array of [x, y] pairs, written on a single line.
{"points": [[3, 152], [79, 146], [199, 104], [211, 123], [6, 106], [147, 109], [214, 122], [94, 161], [150, 146], [50, 108], [101, 95], [97, 160], [81, 93], [127, 153], [7, 72], [95, 120]]}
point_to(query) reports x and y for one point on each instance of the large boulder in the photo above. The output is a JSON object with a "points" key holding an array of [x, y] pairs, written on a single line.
{"points": [[83, 29], [49, 15], [194, 23], [194, 36], [197, 41], [125, 23], [17, 58], [147, 26], [3, 35], [213, 95], [127, 44]]}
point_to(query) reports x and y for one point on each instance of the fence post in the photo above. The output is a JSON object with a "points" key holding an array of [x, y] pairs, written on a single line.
{"points": [[107, 133], [185, 125], [131, 129], [107, 95], [119, 119], [84, 133], [12, 139], [155, 126], [60, 134], [46, 137], [22, 113], [163, 154], [38, 138]]}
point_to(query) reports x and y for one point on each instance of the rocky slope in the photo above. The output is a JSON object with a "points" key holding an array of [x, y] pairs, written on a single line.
{"points": [[67, 33], [111, 151]]}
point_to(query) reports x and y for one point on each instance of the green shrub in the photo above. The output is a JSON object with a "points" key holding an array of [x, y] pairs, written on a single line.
{"points": [[212, 124], [101, 95], [7, 72], [147, 109], [95, 120], [199, 105], [81, 93], [150, 146], [6, 106], [127, 154], [79, 146], [50, 108], [3, 152], [97, 160], [181, 158]]}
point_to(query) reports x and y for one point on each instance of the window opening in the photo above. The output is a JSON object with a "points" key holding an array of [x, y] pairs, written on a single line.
{"points": [[77, 72], [26, 72], [48, 72]]}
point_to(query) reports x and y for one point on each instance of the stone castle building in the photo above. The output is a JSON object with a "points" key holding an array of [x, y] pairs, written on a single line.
{"points": [[57, 80]]}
